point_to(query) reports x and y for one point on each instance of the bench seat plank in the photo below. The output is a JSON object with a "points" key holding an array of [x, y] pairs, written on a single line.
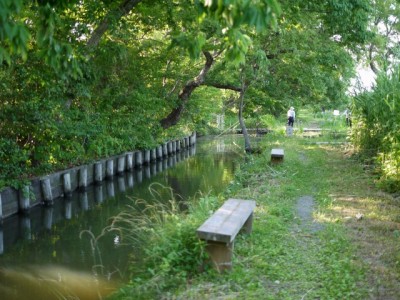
{"points": [[277, 153], [227, 221]]}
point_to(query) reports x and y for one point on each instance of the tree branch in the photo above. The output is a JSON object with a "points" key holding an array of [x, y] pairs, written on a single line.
{"points": [[124, 9], [184, 95], [224, 86]]}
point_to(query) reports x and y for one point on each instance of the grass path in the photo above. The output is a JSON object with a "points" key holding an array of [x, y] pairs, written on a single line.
{"points": [[321, 231]]}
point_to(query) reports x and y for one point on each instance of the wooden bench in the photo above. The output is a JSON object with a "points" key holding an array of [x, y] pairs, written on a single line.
{"points": [[220, 230], [277, 155], [312, 129]]}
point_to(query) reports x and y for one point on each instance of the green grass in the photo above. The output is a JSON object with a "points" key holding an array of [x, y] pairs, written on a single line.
{"points": [[353, 255]]}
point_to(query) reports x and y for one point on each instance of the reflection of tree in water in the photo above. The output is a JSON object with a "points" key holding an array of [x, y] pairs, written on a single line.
{"points": [[208, 173]]}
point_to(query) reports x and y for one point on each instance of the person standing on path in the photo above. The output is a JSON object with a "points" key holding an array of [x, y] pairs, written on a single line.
{"points": [[347, 114], [291, 115]]}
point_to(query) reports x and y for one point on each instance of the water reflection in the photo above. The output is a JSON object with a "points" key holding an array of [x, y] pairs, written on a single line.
{"points": [[48, 217], [71, 233], [50, 282], [98, 193], [68, 208]]}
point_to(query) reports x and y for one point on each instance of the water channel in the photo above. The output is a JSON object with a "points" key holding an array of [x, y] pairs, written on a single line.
{"points": [[62, 235]]}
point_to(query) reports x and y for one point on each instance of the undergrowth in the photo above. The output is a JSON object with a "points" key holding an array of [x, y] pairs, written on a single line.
{"points": [[284, 257]]}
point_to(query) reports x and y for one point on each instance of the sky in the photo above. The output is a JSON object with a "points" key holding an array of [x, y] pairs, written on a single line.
{"points": [[366, 77]]}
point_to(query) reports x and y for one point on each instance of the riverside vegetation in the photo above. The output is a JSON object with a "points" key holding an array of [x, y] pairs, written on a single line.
{"points": [[345, 247]]}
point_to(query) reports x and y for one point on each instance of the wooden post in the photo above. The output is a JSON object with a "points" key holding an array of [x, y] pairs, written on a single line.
{"points": [[220, 255]]}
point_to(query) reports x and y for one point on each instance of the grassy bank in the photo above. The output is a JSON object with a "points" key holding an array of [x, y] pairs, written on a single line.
{"points": [[321, 231]]}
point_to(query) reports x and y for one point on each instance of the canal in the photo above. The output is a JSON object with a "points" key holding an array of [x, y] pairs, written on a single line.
{"points": [[69, 236]]}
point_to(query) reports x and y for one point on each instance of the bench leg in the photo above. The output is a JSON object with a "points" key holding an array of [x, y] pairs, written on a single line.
{"points": [[248, 225], [220, 255], [276, 160]]}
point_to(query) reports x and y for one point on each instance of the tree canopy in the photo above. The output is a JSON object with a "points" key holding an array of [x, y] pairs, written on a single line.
{"points": [[85, 79]]}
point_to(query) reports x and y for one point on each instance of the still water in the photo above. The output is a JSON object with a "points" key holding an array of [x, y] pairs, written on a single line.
{"points": [[68, 237]]}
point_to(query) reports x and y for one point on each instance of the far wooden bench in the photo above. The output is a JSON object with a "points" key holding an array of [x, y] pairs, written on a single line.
{"points": [[220, 230], [277, 155]]}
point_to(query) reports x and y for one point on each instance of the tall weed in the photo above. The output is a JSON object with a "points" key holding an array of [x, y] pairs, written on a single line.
{"points": [[376, 130]]}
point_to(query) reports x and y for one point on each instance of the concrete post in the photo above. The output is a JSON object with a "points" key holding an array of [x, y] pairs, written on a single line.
{"points": [[83, 178], [129, 161], [169, 145], [24, 197], [46, 190], [121, 165], [67, 183], [159, 152], [146, 155], [110, 168], [98, 172], [139, 158], [165, 149], [153, 154], [173, 146]]}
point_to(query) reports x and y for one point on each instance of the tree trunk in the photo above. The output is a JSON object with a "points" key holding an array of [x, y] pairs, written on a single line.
{"points": [[124, 9], [247, 146], [184, 95]]}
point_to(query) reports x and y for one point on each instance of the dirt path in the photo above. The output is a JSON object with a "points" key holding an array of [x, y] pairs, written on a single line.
{"points": [[304, 211]]}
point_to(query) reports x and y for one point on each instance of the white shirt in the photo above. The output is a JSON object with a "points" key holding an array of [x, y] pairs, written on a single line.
{"points": [[291, 113]]}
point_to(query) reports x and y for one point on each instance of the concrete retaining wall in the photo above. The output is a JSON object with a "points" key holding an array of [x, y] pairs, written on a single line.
{"points": [[44, 190]]}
